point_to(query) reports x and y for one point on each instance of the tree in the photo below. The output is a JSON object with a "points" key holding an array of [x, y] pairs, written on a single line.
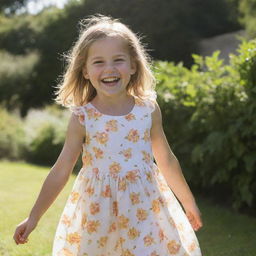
{"points": [[10, 6]]}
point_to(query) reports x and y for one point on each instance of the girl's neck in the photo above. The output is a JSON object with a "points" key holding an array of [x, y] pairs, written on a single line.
{"points": [[114, 105]]}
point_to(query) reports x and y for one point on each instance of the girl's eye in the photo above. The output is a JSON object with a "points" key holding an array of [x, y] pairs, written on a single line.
{"points": [[97, 62], [119, 59]]}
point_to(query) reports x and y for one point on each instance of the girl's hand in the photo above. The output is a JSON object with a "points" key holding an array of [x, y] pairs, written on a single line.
{"points": [[23, 230], [193, 215]]}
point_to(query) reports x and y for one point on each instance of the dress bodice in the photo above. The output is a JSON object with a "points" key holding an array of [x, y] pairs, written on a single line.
{"points": [[117, 143]]}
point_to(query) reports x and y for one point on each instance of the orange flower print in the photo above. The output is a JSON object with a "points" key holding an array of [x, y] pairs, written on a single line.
{"points": [[148, 240], [141, 214], [173, 247], [130, 117], [146, 192], [106, 192], [74, 196], [115, 208], [127, 253], [161, 235], [180, 227], [161, 201], [98, 153], [92, 226], [112, 227], [123, 222], [135, 198], [132, 176], [133, 135], [65, 252], [154, 254], [133, 233], [122, 184], [114, 169], [83, 221], [146, 136], [73, 238], [94, 208], [101, 137], [163, 186], [66, 220], [149, 177], [171, 221], [127, 153], [96, 172], [87, 158], [155, 206], [118, 243], [111, 125], [192, 246], [92, 113], [87, 138], [90, 191], [81, 118], [102, 241], [146, 156]]}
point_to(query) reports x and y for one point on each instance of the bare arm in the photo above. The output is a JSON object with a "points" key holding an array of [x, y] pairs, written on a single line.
{"points": [[57, 177], [170, 168]]}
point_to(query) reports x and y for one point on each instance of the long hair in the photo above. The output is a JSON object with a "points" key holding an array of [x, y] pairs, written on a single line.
{"points": [[75, 90]]}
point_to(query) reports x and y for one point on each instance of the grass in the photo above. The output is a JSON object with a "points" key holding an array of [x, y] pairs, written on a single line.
{"points": [[225, 232]]}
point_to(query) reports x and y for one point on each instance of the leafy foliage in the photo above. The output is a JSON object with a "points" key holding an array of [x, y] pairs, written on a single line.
{"points": [[173, 35], [247, 10], [209, 117], [10, 6], [16, 72], [11, 136], [44, 133]]}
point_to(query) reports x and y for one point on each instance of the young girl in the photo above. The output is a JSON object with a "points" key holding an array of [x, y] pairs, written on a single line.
{"points": [[122, 203]]}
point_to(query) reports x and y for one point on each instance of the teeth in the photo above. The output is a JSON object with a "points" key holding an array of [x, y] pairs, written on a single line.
{"points": [[112, 79]]}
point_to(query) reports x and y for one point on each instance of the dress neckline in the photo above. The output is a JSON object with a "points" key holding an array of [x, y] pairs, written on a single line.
{"points": [[130, 112]]}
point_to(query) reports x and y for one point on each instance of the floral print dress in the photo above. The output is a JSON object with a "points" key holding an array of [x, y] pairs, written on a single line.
{"points": [[120, 203]]}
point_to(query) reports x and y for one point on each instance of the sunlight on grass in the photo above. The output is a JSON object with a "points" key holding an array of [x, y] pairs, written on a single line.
{"points": [[224, 233], [20, 184]]}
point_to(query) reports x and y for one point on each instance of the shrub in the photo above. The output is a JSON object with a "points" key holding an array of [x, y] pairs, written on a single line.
{"points": [[16, 72], [209, 117], [11, 136], [45, 133]]}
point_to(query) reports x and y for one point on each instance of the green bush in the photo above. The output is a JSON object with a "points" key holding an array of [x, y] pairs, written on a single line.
{"points": [[11, 136], [38, 138], [209, 117], [45, 134], [247, 10], [16, 71]]}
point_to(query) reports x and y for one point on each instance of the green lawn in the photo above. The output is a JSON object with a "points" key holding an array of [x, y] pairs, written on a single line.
{"points": [[225, 233]]}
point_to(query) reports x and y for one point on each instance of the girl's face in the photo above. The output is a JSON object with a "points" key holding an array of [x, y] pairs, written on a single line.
{"points": [[109, 66]]}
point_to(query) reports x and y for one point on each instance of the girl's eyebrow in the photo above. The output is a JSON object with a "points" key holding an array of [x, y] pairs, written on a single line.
{"points": [[99, 57]]}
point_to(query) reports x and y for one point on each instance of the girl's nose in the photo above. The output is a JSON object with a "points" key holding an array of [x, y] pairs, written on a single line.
{"points": [[110, 66]]}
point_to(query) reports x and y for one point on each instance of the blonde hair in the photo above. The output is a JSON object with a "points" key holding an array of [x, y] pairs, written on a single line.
{"points": [[75, 90]]}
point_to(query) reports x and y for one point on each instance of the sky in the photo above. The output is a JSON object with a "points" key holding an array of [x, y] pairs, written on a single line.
{"points": [[35, 6]]}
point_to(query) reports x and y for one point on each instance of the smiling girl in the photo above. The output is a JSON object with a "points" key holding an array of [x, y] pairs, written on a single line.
{"points": [[122, 202]]}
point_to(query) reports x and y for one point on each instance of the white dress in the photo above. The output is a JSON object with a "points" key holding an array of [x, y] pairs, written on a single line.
{"points": [[120, 204]]}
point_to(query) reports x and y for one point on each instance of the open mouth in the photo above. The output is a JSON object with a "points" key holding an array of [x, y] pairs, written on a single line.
{"points": [[110, 81]]}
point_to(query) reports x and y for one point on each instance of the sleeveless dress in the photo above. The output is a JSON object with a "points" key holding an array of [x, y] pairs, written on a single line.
{"points": [[120, 203]]}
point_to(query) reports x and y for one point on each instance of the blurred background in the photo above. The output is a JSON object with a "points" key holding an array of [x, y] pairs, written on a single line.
{"points": [[204, 56]]}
